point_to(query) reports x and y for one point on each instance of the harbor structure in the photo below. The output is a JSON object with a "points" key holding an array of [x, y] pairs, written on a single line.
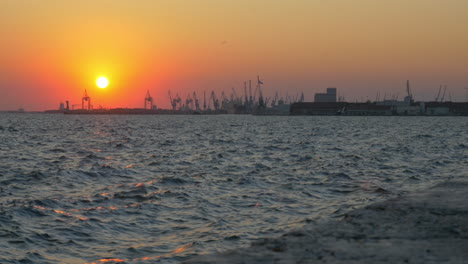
{"points": [[86, 98], [339, 108], [446, 108], [257, 104], [407, 107], [148, 101], [375, 109]]}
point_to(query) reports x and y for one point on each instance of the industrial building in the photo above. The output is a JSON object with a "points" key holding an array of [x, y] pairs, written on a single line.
{"points": [[369, 109], [340, 108], [329, 97], [446, 108]]}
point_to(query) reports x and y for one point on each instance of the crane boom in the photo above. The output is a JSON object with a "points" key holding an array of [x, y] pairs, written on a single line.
{"points": [[408, 89], [438, 94], [443, 95], [235, 94]]}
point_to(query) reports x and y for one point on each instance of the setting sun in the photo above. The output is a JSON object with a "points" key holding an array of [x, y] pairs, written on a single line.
{"points": [[102, 82]]}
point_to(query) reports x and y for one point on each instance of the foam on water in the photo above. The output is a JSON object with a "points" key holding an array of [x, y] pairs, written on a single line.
{"points": [[106, 189]]}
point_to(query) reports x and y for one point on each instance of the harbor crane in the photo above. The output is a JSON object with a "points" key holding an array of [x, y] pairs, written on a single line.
{"points": [[87, 99], [174, 101], [274, 100], [235, 95], [214, 100], [224, 100], [148, 100], [204, 100], [408, 89], [438, 94], [443, 95], [246, 97], [197, 102], [251, 99], [189, 102], [261, 100], [301, 99], [281, 101]]}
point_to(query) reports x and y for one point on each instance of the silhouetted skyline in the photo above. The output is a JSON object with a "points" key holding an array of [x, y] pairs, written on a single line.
{"points": [[53, 50]]}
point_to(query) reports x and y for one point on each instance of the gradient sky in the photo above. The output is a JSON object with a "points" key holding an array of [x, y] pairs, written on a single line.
{"points": [[51, 50]]}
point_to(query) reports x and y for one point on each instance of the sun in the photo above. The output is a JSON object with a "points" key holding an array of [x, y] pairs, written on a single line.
{"points": [[102, 82]]}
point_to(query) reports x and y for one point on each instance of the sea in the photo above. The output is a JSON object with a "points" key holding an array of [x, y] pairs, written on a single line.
{"points": [[164, 188]]}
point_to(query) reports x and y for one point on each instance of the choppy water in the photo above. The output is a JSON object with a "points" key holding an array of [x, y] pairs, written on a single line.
{"points": [[143, 189]]}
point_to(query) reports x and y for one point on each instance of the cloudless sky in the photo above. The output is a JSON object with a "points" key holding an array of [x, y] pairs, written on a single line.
{"points": [[51, 50]]}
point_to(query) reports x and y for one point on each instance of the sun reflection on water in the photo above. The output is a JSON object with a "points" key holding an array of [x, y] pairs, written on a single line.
{"points": [[117, 260]]}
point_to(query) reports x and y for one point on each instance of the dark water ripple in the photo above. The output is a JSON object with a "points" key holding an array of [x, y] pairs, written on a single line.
{"points": [[138, 189]]}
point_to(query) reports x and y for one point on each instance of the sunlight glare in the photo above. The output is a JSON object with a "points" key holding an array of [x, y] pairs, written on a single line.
{"points": [[102, 82]]}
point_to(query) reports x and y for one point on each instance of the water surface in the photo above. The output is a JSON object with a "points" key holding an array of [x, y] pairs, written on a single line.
{"points": [[80, 189]]}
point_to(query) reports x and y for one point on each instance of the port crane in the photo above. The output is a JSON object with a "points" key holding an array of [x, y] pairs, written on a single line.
{"points": [[301, 99], [87, 99], [214, 100], [189, 102], [197, 102], [408, 89], [148, 100], [224, 100], [174, 101], [251, 99], [438, 94], [261, 100], [235, 97], [443, 95], [409, 95], [204, 100], [274, 100], [246, 97], [231, 101]]}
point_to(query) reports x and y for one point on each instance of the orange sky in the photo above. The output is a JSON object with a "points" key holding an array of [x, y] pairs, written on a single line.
{"points": [[51, 50]]}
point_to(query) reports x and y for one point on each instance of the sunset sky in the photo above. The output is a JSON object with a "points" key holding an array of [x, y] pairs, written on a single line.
{"points": [[51, 50]]}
